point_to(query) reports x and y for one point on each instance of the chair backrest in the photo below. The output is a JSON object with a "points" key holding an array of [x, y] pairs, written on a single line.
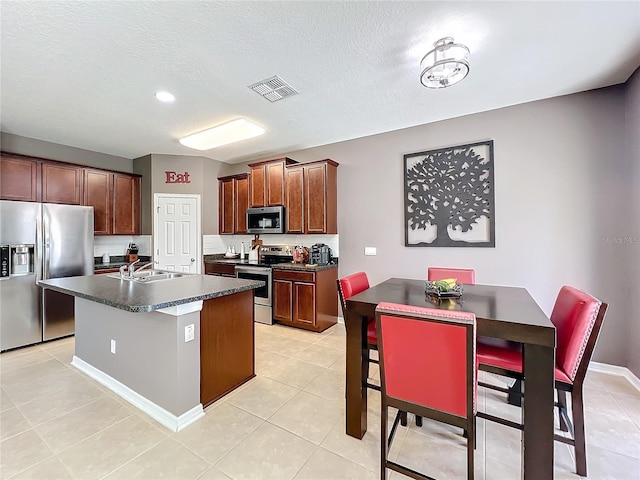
{"points": [[578, 318], [350, 285], [427, 357], [462, 275]]}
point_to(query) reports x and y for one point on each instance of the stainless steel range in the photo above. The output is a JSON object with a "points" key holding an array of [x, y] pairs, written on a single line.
{"points": [[261, 270]]}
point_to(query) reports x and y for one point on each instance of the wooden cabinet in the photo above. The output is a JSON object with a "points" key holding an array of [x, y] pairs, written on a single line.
{"points": [[227, 348], [19, 179], [61, 183], [311, 200], [106, 270], [233, 201], [98, 194], [305, 299], [267, 182], [115, 198], [126, 204], [220, 269]]}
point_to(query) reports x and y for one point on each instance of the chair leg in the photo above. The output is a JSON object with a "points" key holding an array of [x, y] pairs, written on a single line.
{"points": [[471, 441], [403, 419], [515, 394], [418, 421], [578, 430], [562, 405], [383, 444]]}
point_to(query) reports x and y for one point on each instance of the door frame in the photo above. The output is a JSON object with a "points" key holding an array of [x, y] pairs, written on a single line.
{"points": [[156, 206]]}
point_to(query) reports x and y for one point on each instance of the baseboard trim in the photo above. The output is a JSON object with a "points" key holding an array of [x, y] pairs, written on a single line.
{"points": [[616, 370], [166, 418], [341, 320]]}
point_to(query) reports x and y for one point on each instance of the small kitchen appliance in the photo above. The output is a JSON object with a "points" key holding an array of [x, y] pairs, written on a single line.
{"points": [[320, 254]]}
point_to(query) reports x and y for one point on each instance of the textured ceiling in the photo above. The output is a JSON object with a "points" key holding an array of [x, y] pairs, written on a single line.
{"points": [[84, 74]]}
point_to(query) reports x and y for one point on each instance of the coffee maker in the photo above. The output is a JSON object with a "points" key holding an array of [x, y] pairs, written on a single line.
{"points": [[320, 254]]}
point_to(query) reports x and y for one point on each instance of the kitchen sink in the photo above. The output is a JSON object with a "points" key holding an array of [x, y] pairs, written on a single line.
{"points": [[149, 276]]}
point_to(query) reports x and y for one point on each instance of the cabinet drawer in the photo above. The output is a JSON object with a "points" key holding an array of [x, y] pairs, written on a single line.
{"points": [[224, 270], [294, 275]]}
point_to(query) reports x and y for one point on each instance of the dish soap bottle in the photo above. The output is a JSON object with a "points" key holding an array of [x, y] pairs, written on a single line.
{"points": [[242, 251]]}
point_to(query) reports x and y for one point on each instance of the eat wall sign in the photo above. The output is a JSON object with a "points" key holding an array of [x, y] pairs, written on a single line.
{"points": [[175, 177]]}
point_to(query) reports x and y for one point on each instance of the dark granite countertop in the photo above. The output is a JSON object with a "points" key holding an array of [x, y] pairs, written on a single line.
{"points": [[146, 297], [116, 262], [215, 259]]}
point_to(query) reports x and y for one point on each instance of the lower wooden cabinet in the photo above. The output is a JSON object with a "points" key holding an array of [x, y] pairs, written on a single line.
{"points": [[305, 299], [106, 270], [220, 270]]}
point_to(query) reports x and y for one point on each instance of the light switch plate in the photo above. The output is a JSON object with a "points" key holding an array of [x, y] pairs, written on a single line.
{"points": [[189, 332], [370, 250]]}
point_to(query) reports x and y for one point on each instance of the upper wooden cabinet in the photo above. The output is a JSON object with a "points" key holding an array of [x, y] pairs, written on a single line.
{"points": [[311, 200], [114, 196], [98, 194], [233, 201], [61, 183], [126, 204], [267, 182], [19, 178]]}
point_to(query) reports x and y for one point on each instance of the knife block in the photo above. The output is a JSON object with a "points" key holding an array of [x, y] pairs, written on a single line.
{"points": [[131, 257]]}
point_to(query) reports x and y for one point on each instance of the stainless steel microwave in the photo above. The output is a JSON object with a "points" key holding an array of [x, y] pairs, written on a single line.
{"points": [[265, 220]]}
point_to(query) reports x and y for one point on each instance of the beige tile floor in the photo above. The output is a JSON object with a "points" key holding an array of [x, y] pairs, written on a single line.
{"points": [[287, 423]]}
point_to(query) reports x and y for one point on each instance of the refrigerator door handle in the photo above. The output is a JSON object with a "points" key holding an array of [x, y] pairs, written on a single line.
{"points": [[38, 252], [45, 246]]}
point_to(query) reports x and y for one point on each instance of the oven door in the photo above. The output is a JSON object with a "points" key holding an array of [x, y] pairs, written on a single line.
{"points": [[262, 295]]}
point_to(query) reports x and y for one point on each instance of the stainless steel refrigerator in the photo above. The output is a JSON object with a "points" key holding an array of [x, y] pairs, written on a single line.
{"points": [[40, 241]]}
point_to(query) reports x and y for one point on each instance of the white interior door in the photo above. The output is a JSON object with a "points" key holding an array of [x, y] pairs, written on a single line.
{"points": [[176, 236]]}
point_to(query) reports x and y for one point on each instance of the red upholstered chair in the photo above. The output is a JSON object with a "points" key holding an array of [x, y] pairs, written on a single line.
{"points": [[427, 367], [462, 275], [347, 287], [578, 318]]}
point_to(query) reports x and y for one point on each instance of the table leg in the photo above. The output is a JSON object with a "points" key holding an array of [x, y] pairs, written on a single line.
{"points": [[356, 389], [537, 438]]}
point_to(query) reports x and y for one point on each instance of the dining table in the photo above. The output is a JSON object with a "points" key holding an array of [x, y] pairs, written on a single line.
{"points": [[502, 312]]}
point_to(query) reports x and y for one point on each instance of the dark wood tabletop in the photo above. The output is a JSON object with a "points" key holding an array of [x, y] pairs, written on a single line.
{"points": [[506, 313]]}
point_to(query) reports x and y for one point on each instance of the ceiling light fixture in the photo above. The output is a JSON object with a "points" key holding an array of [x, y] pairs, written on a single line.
{"points": [[224, 134], [165, 97], [445, 65]]}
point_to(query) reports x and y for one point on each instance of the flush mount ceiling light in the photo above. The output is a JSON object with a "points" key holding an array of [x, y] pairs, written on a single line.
{"points": [[165, 97], [445, 65], [224, 134]]}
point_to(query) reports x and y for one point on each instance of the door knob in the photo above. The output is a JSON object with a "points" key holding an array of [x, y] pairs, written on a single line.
{"points": [[193, 260]]}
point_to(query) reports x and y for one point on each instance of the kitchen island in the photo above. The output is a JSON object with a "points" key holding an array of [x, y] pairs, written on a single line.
{"points": [[168, 347]]}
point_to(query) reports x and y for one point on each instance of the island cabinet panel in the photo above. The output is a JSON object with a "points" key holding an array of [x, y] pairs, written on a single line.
{"points": [[305, 299], [19, 179], [61, 183], [233, 201], [126, 204], [226, 345], [98, 194], [312, 197], [267, 186]]}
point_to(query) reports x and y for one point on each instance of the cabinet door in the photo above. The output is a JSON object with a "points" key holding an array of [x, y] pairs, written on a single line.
{"points": [[282, 291], [61, 184], [19, 179], [315, 198], [274, 184], [294, 198], [98, 194], [257, 186], [304, 303], [226, 206], [126, 204], [241, 204]]}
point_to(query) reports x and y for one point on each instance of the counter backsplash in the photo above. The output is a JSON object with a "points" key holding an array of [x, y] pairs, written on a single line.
{"points": [[212, 244], [116, 245]]}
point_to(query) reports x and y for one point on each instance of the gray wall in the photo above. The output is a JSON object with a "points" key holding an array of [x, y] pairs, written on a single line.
{"points": [[633, 250], [53, 151], [562, 191]]}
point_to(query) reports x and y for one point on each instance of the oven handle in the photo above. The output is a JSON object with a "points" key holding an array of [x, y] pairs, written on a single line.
{"points": [[252, 269]]}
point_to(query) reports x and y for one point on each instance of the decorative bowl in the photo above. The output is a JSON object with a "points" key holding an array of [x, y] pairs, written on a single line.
{"points": [[432, 289]]}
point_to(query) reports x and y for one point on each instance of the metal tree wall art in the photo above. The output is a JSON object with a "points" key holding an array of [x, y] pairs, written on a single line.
{"points": [[449, 197]]}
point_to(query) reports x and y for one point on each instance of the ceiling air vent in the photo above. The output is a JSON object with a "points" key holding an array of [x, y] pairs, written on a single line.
{"points": [[273, 89]]}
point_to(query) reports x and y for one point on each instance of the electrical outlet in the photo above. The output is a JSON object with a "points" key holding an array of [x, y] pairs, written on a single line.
{"points": [[370, 250], [113, 346], [189, 332]]}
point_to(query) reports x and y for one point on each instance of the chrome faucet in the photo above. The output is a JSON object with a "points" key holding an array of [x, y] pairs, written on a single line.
{"points": [[150, 264], [127, 270]]}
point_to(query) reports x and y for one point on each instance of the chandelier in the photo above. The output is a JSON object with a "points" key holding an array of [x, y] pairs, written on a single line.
{"points": [[445, 65]]}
